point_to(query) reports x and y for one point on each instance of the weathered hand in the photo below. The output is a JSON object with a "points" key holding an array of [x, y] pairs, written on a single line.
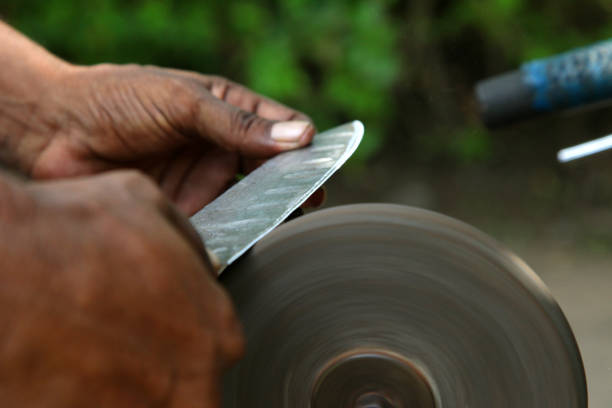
{"points": [[107, 299], [192, 133]]}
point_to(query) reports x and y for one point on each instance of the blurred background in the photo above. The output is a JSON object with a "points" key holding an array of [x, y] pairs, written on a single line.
{"points": [[407, 70]]}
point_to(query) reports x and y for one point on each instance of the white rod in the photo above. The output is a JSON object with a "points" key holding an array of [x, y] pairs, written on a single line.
{"points": [[585, 149]]}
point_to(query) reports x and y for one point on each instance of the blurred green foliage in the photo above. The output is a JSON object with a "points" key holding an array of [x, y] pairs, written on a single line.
{"points": [[335, 60], [405, 68]]}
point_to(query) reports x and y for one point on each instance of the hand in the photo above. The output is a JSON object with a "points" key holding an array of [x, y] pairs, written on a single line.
{"points": [[107, 299], [192, 133]]}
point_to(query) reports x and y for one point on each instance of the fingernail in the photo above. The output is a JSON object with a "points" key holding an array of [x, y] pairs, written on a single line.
{"points": [[289, 132]]}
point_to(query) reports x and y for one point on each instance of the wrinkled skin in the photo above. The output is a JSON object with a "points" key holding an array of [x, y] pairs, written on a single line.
{"points": [[107, 296], [192, 133], [108, 299]]}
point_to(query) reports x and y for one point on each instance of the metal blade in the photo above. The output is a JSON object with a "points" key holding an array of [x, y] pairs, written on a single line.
{"points": [[237, 219]]}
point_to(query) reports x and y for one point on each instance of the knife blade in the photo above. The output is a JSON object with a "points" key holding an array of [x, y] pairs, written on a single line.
{"points": [[246, 212]]}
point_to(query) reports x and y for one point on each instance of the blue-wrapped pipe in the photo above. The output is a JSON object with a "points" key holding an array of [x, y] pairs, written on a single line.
{"points": [[575, 78]]}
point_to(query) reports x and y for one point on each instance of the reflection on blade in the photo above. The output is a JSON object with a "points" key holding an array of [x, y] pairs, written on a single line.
{"points": [[236, 220]]}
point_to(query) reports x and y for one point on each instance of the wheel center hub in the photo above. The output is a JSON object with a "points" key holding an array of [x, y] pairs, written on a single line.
{"points": [[371, 379]]}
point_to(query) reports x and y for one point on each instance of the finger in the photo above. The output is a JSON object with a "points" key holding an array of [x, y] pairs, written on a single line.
{"points": [[212, 174], [250, 101], [247, 133], [242, 97], [195, 176], [182, 225], [316, 199]]}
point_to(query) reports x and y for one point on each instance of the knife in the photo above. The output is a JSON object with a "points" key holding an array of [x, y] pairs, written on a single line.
{"points": [[254, 206]]}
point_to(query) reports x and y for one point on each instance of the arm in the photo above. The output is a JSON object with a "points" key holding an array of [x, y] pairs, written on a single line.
{"points": [[25, 65], [94, 271], [27, 70]]}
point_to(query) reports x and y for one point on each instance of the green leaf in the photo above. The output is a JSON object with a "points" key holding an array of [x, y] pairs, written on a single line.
{"points": [[273, 70], [471, 144], [249, 18]]}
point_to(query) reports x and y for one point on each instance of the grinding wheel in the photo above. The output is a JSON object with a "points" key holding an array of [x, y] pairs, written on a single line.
{"points": [[388, 306]]}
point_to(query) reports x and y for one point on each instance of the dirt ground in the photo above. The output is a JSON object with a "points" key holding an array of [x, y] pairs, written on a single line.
{"points": [[582, 283], [566, 237]]}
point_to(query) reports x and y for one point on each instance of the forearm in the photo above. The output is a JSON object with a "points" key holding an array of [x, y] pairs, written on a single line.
{"points": [[27, 72]]}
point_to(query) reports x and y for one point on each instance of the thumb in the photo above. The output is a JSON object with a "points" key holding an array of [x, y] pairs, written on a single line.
{"points": [[247, 133]]}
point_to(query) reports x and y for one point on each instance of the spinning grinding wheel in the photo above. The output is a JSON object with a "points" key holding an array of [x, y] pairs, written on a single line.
{"points": [[388, 306]]}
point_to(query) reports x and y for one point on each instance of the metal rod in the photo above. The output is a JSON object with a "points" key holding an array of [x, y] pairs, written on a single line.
{"points": [[585, 149]]}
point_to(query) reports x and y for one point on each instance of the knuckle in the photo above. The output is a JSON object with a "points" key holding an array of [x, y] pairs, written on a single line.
{"points": [[219, 86], [186, 103], [242, 123]]}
